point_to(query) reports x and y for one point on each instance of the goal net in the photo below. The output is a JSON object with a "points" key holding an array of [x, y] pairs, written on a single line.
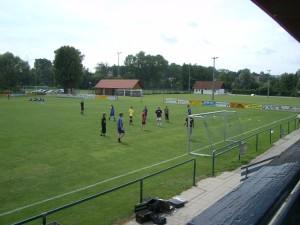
{"points": [[212, 131], [129, 92]]}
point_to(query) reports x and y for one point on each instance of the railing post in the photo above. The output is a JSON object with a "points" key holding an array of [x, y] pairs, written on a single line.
{"points": [[213, 164], [256, 144], [44, 218], [280, 133], [270, 133], [288, 127], [141, 191], [194, 176]]}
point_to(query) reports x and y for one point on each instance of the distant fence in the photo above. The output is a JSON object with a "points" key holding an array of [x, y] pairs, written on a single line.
{"points": [[44, 215]]}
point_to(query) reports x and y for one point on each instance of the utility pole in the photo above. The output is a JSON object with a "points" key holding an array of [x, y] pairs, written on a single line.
{"points": [[119, 62], [189, 77], [269, 82], [213, 80]]}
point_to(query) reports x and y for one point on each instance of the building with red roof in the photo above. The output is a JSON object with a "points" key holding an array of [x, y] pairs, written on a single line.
{"points": [[112, 86], [206, 87]]}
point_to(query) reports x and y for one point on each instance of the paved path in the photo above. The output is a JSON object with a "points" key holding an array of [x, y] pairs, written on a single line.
{"points": [[209, 190]]}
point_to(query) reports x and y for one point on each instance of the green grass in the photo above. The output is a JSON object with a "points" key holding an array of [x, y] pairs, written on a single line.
{"points": [[49, 149]]}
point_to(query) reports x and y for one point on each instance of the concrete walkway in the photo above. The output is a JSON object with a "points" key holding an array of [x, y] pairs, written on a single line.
{"points": [[210, 190]]}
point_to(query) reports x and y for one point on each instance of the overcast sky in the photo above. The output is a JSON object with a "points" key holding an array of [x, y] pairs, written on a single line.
{"points": [[182, 31]]}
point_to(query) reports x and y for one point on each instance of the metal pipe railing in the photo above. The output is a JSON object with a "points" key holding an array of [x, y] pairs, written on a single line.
{"points": [[45, 214]]}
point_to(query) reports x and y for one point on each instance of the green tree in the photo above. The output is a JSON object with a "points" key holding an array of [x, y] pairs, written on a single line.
{"points": [[227, 77], [87, 80], [175, 77], [245, 80], [102, 70], [288, 84], [14, 72], [44, 72], [147, 68], [68, 68]]}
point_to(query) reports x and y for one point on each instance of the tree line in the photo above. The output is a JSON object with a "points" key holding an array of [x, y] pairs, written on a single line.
{"points": [[154, 71]]}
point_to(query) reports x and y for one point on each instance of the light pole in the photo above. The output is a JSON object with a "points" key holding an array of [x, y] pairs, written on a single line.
{"points": [[269, 82], [189, 77], [118, 62], [213, 81]]}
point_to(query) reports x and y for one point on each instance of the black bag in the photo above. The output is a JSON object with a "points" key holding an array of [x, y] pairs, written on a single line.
{"points": [[153, 205], [143, 216], [140, 207], [176, 202], [158, 219]]}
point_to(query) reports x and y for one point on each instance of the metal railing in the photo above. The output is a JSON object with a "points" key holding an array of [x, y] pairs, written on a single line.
{"points": [[44, 215], [256, 166], [234, 145]]}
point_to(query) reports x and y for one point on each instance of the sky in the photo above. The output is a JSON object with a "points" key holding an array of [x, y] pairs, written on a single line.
{"points": [[238, 32]]}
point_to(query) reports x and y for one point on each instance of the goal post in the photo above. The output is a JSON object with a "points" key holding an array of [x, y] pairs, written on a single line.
{"points": [[213, 130], [129, 92]]}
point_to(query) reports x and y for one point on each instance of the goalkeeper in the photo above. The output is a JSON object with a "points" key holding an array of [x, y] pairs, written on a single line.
{"points": [[186, 123]]}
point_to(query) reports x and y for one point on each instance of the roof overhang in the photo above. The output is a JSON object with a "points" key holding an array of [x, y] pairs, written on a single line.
{"points": [[285, 12]]}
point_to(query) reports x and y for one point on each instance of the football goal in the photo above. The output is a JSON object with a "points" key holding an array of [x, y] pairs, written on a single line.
{"points": [[129, 92], [212, 131]]}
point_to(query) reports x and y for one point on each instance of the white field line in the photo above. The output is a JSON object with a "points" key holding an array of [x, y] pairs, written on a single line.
{"points": [[114, 178], [89, 186]]}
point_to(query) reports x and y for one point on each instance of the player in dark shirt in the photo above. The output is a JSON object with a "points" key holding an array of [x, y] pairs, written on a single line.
{"points": [[121, 131], [82, 107], [186, 123], [103, 124], [112, 112], [158, 116]]}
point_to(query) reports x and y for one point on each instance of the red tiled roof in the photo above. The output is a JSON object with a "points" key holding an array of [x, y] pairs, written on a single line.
{"points": [[126, 84], [208, 85]]}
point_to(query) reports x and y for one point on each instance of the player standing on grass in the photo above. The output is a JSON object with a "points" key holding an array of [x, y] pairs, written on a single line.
{"points": [[146, 112], [82, 107], [189, 110], [186, 123], [121, 131], [112, 112], [158, 116], [143, 120], [166, 114], [130, 112], [103, 124]]}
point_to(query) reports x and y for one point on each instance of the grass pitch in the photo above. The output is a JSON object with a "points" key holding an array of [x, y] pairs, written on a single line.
{"points": [[51, 155]]}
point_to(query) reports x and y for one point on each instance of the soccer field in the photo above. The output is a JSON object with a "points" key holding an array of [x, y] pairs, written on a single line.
{"points": [[51, 155]]}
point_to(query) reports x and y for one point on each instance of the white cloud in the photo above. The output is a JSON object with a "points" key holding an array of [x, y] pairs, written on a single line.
{"points": [[190, 31]]}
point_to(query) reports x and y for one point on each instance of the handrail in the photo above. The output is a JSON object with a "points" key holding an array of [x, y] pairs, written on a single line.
{"points": [[45, 214], [247, 171]]}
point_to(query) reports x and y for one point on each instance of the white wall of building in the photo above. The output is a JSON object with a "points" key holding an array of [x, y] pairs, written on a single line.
{"points": [[208, 92]]}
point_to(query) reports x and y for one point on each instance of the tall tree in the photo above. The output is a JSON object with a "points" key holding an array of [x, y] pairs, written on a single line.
{"points": [[245, 80], [174, 77], [227, 77], [102, 69], [147, 68], [14, 71], [288, 84], [44, 72], [68, 68]]}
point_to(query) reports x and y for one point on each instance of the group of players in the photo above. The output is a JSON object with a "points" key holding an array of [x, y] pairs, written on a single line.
{"points": [[120, 125]]}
